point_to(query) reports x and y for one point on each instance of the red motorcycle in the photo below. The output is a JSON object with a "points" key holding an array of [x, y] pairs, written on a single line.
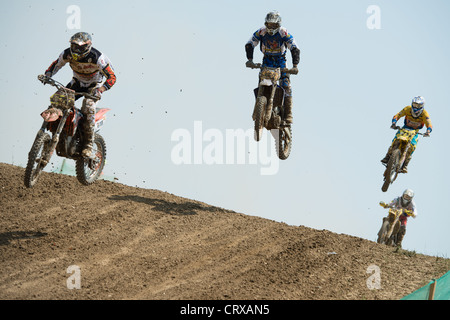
{"points": [[62, 131]]}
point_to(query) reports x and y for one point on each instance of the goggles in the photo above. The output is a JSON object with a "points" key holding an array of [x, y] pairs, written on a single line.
{"points": [[407, 198], [79, 49], [272, 25], [417, 106]]}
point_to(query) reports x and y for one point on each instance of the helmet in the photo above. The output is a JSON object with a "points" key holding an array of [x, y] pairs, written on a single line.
{"points": [[417, 104], [407, 197], [273, 22], [80, 45]]}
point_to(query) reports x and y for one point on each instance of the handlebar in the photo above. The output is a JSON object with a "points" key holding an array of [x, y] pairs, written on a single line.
{"points": [[383, 204], [259, 66], [419, 133], [409, 213], [386, 206], [45, 79]]}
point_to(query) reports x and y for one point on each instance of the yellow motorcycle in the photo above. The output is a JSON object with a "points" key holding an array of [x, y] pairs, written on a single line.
{"points": [[400, 150], [390, 227]]}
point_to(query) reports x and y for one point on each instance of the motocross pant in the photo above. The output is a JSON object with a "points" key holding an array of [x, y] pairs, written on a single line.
{"points": [[88, 110]]}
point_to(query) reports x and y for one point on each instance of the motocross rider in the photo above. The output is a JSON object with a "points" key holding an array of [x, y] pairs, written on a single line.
{"points": [[415, 118], [275, 40], [89, 66], [403, 202]]}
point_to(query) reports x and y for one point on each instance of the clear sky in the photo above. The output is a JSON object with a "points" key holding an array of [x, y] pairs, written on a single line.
{"points": [[182, 85]]}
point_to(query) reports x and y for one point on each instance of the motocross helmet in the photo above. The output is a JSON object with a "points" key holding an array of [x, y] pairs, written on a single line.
{"points": [[417, 106], [407, 197], [273, 22], [80, 45]]}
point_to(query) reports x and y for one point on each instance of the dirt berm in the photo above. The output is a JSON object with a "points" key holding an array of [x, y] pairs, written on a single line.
{"points": [[131, 243]]}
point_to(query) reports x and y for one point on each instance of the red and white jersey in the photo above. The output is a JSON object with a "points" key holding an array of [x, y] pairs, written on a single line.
{"points": [[88, 70]]}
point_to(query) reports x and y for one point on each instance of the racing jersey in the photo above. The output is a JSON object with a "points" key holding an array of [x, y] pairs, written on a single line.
{"points": [[397, 204], [273, 46], [414, 123], [88, 70]]}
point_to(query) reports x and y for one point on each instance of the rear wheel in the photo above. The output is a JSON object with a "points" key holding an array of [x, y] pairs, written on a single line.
{"points": [[89, 170], [385, 186], [260, 107], [36, 158], [283, 142]]}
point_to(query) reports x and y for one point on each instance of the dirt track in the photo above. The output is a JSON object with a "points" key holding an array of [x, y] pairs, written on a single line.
{"points": [[133, 243]]}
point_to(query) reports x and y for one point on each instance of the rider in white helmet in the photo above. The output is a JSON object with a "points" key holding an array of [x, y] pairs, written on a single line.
{"points": [[416, 117], [274, 41], [405, 201]]}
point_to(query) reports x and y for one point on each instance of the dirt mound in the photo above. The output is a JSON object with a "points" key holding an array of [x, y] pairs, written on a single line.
{"points": [[132, 243]]}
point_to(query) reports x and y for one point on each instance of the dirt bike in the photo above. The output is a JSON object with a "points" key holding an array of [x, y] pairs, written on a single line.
{"points": [[269, 109], [400, 150], [390, 227], [64, 122]]}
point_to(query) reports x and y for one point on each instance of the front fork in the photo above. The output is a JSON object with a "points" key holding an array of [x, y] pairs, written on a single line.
{"points": [[48, 152], [392, 228]]}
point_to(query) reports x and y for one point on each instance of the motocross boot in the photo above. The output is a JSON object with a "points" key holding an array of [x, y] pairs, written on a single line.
{"points": [[405, 164], [88, 139], [385, 160], [288, 109]]}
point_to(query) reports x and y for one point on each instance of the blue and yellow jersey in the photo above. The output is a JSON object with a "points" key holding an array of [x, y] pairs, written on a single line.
{"points": [[414, 123]]}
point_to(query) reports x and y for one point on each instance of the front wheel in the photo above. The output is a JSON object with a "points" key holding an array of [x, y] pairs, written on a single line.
{"points": [[390, 238], [383, 231], [89, 170], [37, 158], [283, 142], [258, 116]]}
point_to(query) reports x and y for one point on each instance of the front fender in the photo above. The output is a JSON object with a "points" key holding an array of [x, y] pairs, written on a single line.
{"points": [[266, 82], [51, 114]]}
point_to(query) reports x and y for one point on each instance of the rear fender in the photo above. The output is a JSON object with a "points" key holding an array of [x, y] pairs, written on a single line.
{"points": [[100, 117]]}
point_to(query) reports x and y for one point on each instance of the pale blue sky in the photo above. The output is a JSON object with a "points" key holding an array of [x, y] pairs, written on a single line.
{"points": [[178, 62]]}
